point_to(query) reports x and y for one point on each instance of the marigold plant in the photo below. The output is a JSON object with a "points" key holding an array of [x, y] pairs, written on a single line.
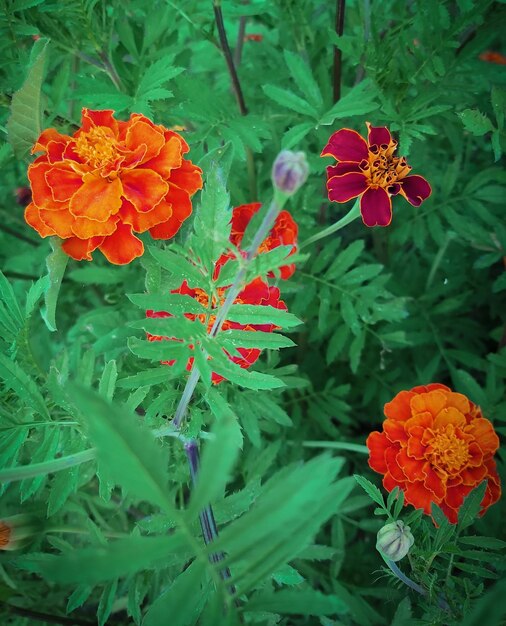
{"points": [[369, 170], [436, 446], [94, 189], [256, 292], [283, 233]]}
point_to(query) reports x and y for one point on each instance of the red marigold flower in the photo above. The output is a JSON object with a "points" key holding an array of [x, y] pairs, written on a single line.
{"points": [[109, 179], [493, 57], [253, 37], [437, 447], [369, 170], [256, 292], [283, 233]]}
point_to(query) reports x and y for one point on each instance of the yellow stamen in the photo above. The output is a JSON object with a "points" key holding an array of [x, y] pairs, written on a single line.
{"points": [[97, 147], [447, 451]]}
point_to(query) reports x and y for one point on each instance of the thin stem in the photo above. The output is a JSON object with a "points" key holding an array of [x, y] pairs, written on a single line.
{"points": [[352, 214], [236, 85], [442, 603], [47, 467], [337, 445], [438, 258], [340, 4], [240, 40], [46, 617]]}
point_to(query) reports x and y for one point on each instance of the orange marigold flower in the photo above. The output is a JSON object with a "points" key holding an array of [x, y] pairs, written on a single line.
{"points": [[436, 446], [493, 57], [369, 170], [256, 292], [283, 233], [109, 179]]}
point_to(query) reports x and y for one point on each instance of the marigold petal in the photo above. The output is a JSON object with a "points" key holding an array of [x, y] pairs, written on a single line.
{"points": [[455, 495], [434, 483], [168, 159], [63, 182], [419, 496], [415, 448], [42, 194], [376, 207], [141, 132], [399, 408], [451, 513], [187, 177], [449, 415], [419, 423], [90, 119], [141, 222], [48, 135], [433, 402], [143, 188], [394, 430], [84, 228], [346, 145], [378, 135], [345, 187], [181, 207], [59, 221], [390, 483], [81, 249], [342, 168], [484, 433], [377, 444], [412, 468], [415, 189], [122, 246], [392, 464], [33, 219], [97, 198]]}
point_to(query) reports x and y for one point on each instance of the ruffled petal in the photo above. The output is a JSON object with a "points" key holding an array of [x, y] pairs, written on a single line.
{"points": [[143, 188], [140, 132], [141, 222], [81, 249], [378, 135], [449, 415], [346, 145], [187, 177], [42, 194], [399, 408], [394, 430], [377, 444], [90, 119], [33, 219], [415, 189], [181, 207], [122, 246], [376, 207], [47, 136], [59, 221], [342, 168], [168, 159], [64, 182], [345, 187], [84, 228], [485, 436], [97, 198]]}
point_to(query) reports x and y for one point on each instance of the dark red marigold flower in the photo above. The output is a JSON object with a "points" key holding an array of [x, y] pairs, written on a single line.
{"points": [[257, 292], [369, 170], [436, 446], [283, 233], [94, 189]]}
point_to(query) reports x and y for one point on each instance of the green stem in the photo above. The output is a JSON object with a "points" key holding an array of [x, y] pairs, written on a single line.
{"points": [[337, 445], [438, 258], [352, 214], [47, 467]]}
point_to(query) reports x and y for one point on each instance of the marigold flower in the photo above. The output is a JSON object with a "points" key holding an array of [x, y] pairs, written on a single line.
{"points": [[17, 531], [436, 446], [493, 57], [369, 170], [394, 540], [256, 292], [283, 233], [109, 179]]}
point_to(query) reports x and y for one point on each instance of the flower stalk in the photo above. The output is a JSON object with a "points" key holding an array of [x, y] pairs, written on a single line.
{"points": [[352, 214]]}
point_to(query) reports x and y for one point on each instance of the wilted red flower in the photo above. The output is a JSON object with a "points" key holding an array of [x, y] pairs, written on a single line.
{"points": [[436, 446], [283, 233], [111, 178], [257, 292], [253, 37], [17, 531], [370, 170], [493, 57]]}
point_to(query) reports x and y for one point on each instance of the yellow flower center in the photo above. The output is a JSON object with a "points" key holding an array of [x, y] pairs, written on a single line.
{"points": [[382, 168], [97, 147], [5, 535], [447, 451]]}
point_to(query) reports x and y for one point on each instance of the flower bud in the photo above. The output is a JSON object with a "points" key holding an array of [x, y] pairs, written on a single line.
{"points": [[394, 540], [290, 171], [17, 531]]}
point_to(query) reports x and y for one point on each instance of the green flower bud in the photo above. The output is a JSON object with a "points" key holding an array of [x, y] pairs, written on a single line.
{"points": [[394, 540], [17, 531], [290, 171]]}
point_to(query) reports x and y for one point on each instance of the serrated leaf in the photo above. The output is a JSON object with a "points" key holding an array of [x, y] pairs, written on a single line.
{"points": [[476, 122], [358, 101], [260, 314], [24, 124], [106, 601], [471, 506], [288, 99], [371, 490], [256, 339], [303, 77], [22, 385], [56, 263]]}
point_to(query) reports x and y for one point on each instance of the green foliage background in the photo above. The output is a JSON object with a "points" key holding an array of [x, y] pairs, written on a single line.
{"points": [[381, 310]]}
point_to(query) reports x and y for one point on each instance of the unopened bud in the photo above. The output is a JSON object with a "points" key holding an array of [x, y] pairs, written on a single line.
{"points": [[290, 171], [394, 540], [17, 531]]}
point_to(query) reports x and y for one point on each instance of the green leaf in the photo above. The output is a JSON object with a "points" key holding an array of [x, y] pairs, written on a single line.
{"points": [[296, 134], [24, 124], [297, 601], [146, 378], [359, 100], [303, 77], [107, 382], [471, 506], [356, 348], [180, 267], [125, 447], [288, 99], [183, 601], [218, 458], [56, 263], [173, 303], [257, 339], [22, 385], [489, 543], [116, 559], [161, 351], [476, 122], [371, 490], [261, 314], [106, 602], [11, 316]]}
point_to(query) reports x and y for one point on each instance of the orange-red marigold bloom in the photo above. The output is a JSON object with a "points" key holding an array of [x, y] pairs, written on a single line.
{"points": [[369, 170], [256, 292], [436, 446], [109, 179], [283, 233]]}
